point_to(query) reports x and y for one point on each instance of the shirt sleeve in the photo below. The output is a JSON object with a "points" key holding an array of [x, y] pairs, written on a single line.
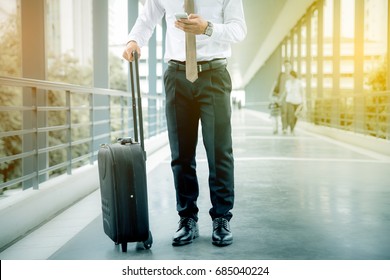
{"points": [[143, 28], [233, 29]]}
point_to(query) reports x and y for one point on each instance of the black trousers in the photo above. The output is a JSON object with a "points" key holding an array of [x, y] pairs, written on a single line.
{"points": [[207, 100]]}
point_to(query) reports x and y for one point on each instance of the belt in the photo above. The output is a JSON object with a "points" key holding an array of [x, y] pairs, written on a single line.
{"points": [[202, 65]]}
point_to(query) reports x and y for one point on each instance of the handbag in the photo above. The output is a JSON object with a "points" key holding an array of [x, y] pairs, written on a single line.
{"points": [[299, 113]]}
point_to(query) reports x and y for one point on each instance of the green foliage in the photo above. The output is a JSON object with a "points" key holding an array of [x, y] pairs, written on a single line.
{"points": [[61, 68], [377, 79], [66, 68], [376, 121], [118, 78], [10, 65], [10, 54]]}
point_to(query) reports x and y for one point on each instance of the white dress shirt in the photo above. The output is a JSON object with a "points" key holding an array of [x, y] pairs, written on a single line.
{"points": [[294, 89], [227, 17]]}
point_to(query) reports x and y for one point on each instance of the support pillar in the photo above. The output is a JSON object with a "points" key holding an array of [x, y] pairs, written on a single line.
{"points": [[320, 51], [152, 81], [310, 105], [388, 52], [132, 14], [33, 67], [336, 112], [388, 66], [360, 110], [100, 70]]}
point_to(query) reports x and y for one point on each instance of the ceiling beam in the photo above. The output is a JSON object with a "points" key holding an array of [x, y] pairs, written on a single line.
{"points": [[288, 17]]}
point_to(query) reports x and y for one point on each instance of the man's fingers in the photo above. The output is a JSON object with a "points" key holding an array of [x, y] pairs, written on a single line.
{"points": [[128, 52], [125, 55], [194, 24]]}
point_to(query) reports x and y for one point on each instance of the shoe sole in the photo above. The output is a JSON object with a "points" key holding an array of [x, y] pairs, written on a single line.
{"points": [[222, 243]]}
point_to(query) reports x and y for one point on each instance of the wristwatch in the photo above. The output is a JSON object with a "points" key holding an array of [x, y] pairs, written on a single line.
{"points": [[209, 29]]}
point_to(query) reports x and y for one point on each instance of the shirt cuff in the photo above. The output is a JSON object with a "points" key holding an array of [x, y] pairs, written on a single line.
{"points": [[217, 31]]}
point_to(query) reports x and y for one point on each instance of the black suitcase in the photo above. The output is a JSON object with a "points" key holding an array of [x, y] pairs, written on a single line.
{"points": [[123, 184]]}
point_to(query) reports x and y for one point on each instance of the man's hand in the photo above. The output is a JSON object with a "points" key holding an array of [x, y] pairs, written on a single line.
{"points": [[195, 24], [131, 47]]}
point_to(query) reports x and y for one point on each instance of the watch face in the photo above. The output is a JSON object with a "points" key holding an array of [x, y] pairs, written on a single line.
{"points": [[209, 29]]}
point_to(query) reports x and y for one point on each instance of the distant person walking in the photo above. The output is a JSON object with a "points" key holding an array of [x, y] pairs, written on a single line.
{"points": [[279, 89], [294, 99]]}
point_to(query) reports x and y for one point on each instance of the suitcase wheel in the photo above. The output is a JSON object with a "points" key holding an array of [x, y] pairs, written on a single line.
{"points": [[148, 243], [124, 247]]}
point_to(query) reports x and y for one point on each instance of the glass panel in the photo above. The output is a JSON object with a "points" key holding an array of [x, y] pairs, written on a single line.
{"points": [[328, 28], [375, 44], [347, 44], [303, 68], [303, 40], [69, 41], [328, 82], [295, 50], [328, 44], [303, 50], [288, 48], [284, 51], [295, 45], [117, 36], [314, 47], [347, 27], [10, 43], [347, 68], [10, 65], [328, 71], [160, 58]]}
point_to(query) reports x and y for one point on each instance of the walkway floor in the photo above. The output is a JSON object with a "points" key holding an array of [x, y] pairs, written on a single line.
{"points": [[302, 197]]}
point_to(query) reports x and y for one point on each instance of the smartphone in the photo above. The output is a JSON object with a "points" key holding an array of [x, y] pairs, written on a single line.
{"points": [[181, 16]]}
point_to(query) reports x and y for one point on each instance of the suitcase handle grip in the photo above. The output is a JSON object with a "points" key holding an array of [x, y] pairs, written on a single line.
{"points": [[126, 140]]}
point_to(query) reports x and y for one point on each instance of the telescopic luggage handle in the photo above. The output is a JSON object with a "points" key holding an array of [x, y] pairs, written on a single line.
{"points": [[136, 101]]}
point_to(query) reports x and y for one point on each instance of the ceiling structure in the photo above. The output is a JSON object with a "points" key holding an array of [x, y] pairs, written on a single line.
{"points": [[268, 23]]}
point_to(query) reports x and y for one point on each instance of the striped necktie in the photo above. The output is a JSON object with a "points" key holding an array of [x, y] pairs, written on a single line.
{"points": [[191, 64]]}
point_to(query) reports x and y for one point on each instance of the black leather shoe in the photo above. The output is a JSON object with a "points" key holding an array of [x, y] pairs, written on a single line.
{"points": [[188, 230], [222, 235]]}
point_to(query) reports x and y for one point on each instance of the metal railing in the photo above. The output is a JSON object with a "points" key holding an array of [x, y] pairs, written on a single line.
{"points": [[367, 113], [56, 127]]}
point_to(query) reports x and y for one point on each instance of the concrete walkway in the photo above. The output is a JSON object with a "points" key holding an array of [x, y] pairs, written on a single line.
{"points": [[302, 197]]}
